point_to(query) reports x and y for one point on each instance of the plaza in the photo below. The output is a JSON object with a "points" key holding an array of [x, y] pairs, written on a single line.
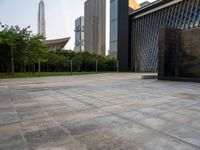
{"points": [[111, 111]]}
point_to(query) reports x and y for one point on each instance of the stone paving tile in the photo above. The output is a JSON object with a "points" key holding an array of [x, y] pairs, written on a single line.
{"points": [[111, 121], [70, 145], [158, 123], [11, 138], [132, 115], [189, 113], [80, 127], [102, 140], [149, 139], [185, 133], [7, 109], [38, 124], [195, 124], [29, 115], [45, 137], [176, 118], [195, 107], [99, 112], [8, 118]]}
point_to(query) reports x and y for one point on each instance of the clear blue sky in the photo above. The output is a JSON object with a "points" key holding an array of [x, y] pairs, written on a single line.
{"points": [[60, 16]]}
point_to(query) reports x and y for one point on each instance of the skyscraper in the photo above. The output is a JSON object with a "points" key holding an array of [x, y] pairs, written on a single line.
{"points": [[41, 19], [95, 26], [119, 25], [79, 34]]}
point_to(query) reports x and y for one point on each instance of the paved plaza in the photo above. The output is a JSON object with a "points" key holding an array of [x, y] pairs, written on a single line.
{"points": [[99, 112]]}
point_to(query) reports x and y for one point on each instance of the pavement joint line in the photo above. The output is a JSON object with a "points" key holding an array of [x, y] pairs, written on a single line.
{"points": [[21, 130], [162, 133]]}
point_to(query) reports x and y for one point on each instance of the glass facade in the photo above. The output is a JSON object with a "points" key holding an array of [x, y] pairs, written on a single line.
{"points": [[79, 34], [145, 27], [113, 27]]}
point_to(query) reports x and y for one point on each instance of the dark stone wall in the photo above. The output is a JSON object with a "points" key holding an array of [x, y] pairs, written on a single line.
{"points": [[190, 53], [179, 54], [168, 52]]}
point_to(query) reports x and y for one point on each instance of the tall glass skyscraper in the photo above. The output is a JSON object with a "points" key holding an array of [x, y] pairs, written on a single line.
{"points": [[41, 19], [113, 27], [79, 34]]}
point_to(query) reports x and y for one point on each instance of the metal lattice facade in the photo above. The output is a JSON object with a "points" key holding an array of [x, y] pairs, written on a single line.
{"points": [[145, 27]]}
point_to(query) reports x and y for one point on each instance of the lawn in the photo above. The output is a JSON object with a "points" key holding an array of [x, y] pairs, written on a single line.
{"points": [[42, 74]]}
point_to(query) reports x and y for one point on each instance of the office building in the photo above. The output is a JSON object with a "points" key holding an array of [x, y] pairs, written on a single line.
{"points": [[79, 35], [143, 30], [95, 26]]}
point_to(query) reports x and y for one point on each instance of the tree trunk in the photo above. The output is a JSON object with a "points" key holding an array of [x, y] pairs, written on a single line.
{"points": [[12, 62], [39, 67]]}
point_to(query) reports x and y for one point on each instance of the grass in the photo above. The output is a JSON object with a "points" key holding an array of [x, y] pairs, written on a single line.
{"points": [[42, 74]]}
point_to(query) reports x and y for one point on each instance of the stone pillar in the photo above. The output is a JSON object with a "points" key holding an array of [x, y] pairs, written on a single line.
{"points": [[168, 52]]}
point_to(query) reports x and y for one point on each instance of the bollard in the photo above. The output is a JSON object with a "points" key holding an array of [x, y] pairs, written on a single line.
{"points": [[96, 66], [71, 64], [117, 66]]}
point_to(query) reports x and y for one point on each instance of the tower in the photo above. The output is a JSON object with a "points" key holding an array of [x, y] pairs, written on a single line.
{"points": [[41, 19], [95, 26]]}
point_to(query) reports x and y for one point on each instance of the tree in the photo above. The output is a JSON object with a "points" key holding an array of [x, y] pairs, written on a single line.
{"points": [[14, 42], [35, 51]]}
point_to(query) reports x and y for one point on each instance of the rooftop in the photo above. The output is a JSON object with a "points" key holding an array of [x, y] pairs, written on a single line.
{"points": [[152, 7], [56, 43]]}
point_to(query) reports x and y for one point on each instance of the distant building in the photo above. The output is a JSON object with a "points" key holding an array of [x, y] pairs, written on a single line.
{"points": [[145, 3], [119, 24], [41, 19], [79, 35], [95, 26], [54, 44]]}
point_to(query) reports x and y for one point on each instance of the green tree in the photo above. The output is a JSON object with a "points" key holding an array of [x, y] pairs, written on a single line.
{"points": [[13, 43], [35, 51]]}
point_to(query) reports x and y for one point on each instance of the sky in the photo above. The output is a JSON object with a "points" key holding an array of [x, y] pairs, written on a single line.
{"points": [[60, 16]]}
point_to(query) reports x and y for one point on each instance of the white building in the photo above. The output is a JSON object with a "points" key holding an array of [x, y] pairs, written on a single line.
{"points": [[41, 19]]}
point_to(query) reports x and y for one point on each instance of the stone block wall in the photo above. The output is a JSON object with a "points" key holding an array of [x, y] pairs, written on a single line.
{"points": [[179, 54], [190, 53]]}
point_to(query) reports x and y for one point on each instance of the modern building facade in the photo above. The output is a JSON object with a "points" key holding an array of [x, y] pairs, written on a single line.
{"points": [[117, 14], [79, 34], [144, 25], [95, 26], [41, 19], [119, 30]]}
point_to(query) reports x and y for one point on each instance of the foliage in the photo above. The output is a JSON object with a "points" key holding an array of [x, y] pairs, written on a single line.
{"points": [[19, 47], [22, 51]]}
